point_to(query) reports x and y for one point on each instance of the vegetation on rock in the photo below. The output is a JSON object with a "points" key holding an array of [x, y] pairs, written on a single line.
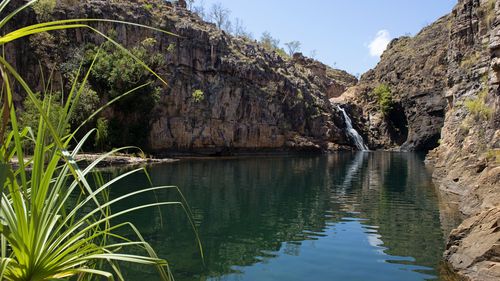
{"points": [[198, 95], [383, 95], [44, 8], [55, 219], [114, 73], [478, 107], [272, 44]]}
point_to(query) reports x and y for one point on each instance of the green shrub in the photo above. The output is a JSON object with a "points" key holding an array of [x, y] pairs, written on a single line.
{"points": [[115, 73], [147, 6], [171, 47], [87, 104], [493, 155], [198, 95], [300, 96], [383, 95], [477, 106], [148, 42], [30, 116], [101, 140], [44, 8]]}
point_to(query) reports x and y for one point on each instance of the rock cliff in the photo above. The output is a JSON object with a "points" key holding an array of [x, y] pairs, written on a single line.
{"points": [[250, 98], [467, 162], [414, 70], [467, 159], [439, 91]]}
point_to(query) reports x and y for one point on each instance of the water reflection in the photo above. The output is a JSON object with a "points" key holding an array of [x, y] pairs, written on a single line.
{"points": [[345, 216]]}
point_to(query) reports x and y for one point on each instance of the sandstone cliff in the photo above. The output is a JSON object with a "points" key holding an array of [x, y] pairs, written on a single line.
{"points": [[467, 162], [414, 69], [444, 94], [253, 99]]}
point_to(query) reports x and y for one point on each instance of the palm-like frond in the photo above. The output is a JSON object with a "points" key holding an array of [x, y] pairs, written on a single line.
{"points": [[45, 233]]}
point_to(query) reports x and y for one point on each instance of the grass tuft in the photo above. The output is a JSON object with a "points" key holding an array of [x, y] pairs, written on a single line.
{"points": [[477, 106]]}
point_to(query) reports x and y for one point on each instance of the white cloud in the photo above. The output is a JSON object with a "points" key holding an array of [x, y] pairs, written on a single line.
{"points": [[378, 45]]}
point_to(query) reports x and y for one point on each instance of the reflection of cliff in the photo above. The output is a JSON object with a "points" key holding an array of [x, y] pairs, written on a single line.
{"points": [[243, 208], [396, 194], [247, 208]]}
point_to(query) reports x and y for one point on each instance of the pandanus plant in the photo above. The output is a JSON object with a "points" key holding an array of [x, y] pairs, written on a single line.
{"points": [[56, 223]]}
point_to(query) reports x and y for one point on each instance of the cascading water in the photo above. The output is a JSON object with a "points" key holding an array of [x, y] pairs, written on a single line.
{"points": [[358, 140]]}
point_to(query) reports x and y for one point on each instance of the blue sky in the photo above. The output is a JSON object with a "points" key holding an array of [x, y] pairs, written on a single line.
{"points": [[341, 31]]}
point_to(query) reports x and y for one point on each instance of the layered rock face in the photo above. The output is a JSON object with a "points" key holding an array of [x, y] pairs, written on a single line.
{"points": [[473, 248], [253, 98], [444, 90], [414, 69], [444, 86], [467, 160]]}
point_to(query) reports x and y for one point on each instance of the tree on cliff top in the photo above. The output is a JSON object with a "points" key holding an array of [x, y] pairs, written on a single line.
{"points": [[219, 15], [293, 47], [268, 41], [240, 30]]}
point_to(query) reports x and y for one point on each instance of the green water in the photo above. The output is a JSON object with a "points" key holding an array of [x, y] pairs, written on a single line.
{"points": [[346, 216]]}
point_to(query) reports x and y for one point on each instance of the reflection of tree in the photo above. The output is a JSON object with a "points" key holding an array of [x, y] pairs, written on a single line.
{"points": [[246, 209]]}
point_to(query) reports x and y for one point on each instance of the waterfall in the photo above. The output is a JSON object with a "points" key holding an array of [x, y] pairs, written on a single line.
{"points": [[358, 140]]}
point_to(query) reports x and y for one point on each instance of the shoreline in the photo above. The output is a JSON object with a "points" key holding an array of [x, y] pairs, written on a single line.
{"points": [[118, 159], [122, 159]]}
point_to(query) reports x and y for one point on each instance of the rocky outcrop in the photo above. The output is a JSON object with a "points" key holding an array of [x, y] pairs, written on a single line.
{"points": [[474, 247], [335, 81], [444, 89], [253, 98], [444, 86], [467, 162], [414, 69]]}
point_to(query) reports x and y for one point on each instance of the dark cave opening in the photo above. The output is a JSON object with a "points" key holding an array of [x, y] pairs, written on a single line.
{"points": [[397, 124], [429, 143]]}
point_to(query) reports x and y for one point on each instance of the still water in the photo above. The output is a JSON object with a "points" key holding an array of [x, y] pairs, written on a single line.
{"points": [[346, 216]]}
